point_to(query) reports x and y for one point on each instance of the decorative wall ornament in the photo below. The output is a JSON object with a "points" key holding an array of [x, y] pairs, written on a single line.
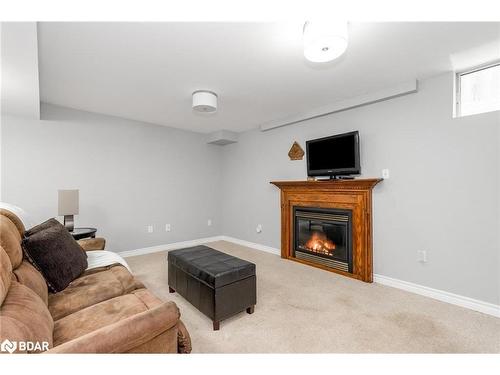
{"points": [[296, 152]]}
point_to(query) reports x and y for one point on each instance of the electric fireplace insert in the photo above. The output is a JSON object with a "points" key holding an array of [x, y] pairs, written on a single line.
{"points": [[323, 236]]}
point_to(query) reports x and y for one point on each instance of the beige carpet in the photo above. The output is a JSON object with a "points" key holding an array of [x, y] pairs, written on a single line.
{"points": [[301, 309]]}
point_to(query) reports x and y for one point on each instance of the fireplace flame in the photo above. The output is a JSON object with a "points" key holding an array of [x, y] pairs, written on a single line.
{"points": [[319, 243]]}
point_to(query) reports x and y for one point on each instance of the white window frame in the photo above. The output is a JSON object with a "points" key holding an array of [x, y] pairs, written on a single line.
{"points": [[458, 76]]}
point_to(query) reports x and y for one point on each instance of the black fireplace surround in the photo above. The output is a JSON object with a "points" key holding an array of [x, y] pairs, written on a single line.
{"points": [[323, 236]]}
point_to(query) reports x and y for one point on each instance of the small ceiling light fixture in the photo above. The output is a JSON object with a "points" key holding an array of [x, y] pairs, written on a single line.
{"points": [[324, 41], [204, 101]]}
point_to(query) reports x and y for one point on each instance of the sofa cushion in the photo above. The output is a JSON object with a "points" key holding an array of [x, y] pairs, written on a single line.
{"points": [[5, 274], [24, 317], [103, 314], [92, 288], [10, 240], [28, 275], [55, 253]]}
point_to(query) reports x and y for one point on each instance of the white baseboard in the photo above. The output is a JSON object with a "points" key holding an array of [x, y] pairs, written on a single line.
{"points": [[441, 295], [253, 245], [170, 246], [454, 299]]}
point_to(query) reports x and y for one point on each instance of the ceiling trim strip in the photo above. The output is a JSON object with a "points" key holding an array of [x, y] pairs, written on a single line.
{"points": [[401, 89]]}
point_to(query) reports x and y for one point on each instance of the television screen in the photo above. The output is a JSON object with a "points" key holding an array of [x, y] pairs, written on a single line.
{"points": [[337, 155]]}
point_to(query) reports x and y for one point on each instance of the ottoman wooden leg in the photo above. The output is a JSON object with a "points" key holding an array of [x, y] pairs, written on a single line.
{"points": [[171, 290], [250, 309], [216, 325]]}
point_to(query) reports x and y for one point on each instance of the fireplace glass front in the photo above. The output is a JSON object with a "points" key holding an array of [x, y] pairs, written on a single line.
{"points": [[323, 236]]}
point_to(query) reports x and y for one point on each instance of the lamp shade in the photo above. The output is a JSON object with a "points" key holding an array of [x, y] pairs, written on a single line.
{"points": [[68, 202]]}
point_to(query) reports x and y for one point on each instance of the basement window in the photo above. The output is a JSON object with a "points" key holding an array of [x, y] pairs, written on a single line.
{"points": [[478, 90]]}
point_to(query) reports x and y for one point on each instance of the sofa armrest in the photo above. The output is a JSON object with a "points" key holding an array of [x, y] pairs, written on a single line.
{"points": [[89, 244], [126, 334], [183, 339]]}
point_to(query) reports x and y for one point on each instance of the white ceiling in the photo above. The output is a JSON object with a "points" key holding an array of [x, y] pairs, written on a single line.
{"points": [[19, 70], [147, 71]]}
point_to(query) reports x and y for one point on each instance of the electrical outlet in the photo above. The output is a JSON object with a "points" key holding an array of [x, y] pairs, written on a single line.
{"points": [[385, 174], [150, 229], [168, 228], [422, 256], [209, 222], [259, 228]]}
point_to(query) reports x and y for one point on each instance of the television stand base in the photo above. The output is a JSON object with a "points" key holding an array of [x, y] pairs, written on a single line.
{"points": [[328, 178], [344, 178]]}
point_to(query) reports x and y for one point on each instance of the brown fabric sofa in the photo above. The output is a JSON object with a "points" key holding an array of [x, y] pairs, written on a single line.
{"points": [[105, 310]]}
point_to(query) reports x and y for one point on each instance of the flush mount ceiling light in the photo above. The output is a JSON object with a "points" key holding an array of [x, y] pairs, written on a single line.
{"points": [[204, 101], [324, 41]]}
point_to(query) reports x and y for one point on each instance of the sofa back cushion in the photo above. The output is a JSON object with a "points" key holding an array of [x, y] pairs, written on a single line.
{"points": [[10, 240], [21, 270], [28, 275], [5, 274], [24, 317], [10, 214]]}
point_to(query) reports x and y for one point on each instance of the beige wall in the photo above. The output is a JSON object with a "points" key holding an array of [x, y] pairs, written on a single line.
{"points": [[442, 196], [129, 174]]}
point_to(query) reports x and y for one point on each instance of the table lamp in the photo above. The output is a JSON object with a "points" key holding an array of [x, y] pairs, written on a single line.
{"points": [[68, 206]]}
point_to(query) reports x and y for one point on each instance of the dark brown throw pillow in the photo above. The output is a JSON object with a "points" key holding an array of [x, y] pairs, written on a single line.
{"points": [[53, 251], [45, 225]]}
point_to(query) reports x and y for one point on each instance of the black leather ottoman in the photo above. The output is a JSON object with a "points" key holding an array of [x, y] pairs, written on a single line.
{"points": [[217, 284]]}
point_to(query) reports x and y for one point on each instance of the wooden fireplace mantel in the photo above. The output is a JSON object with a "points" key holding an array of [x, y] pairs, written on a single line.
{"points": [[354, 195]]}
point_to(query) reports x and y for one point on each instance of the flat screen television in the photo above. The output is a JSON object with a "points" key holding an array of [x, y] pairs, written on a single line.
{"points": [[334, 156]]}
